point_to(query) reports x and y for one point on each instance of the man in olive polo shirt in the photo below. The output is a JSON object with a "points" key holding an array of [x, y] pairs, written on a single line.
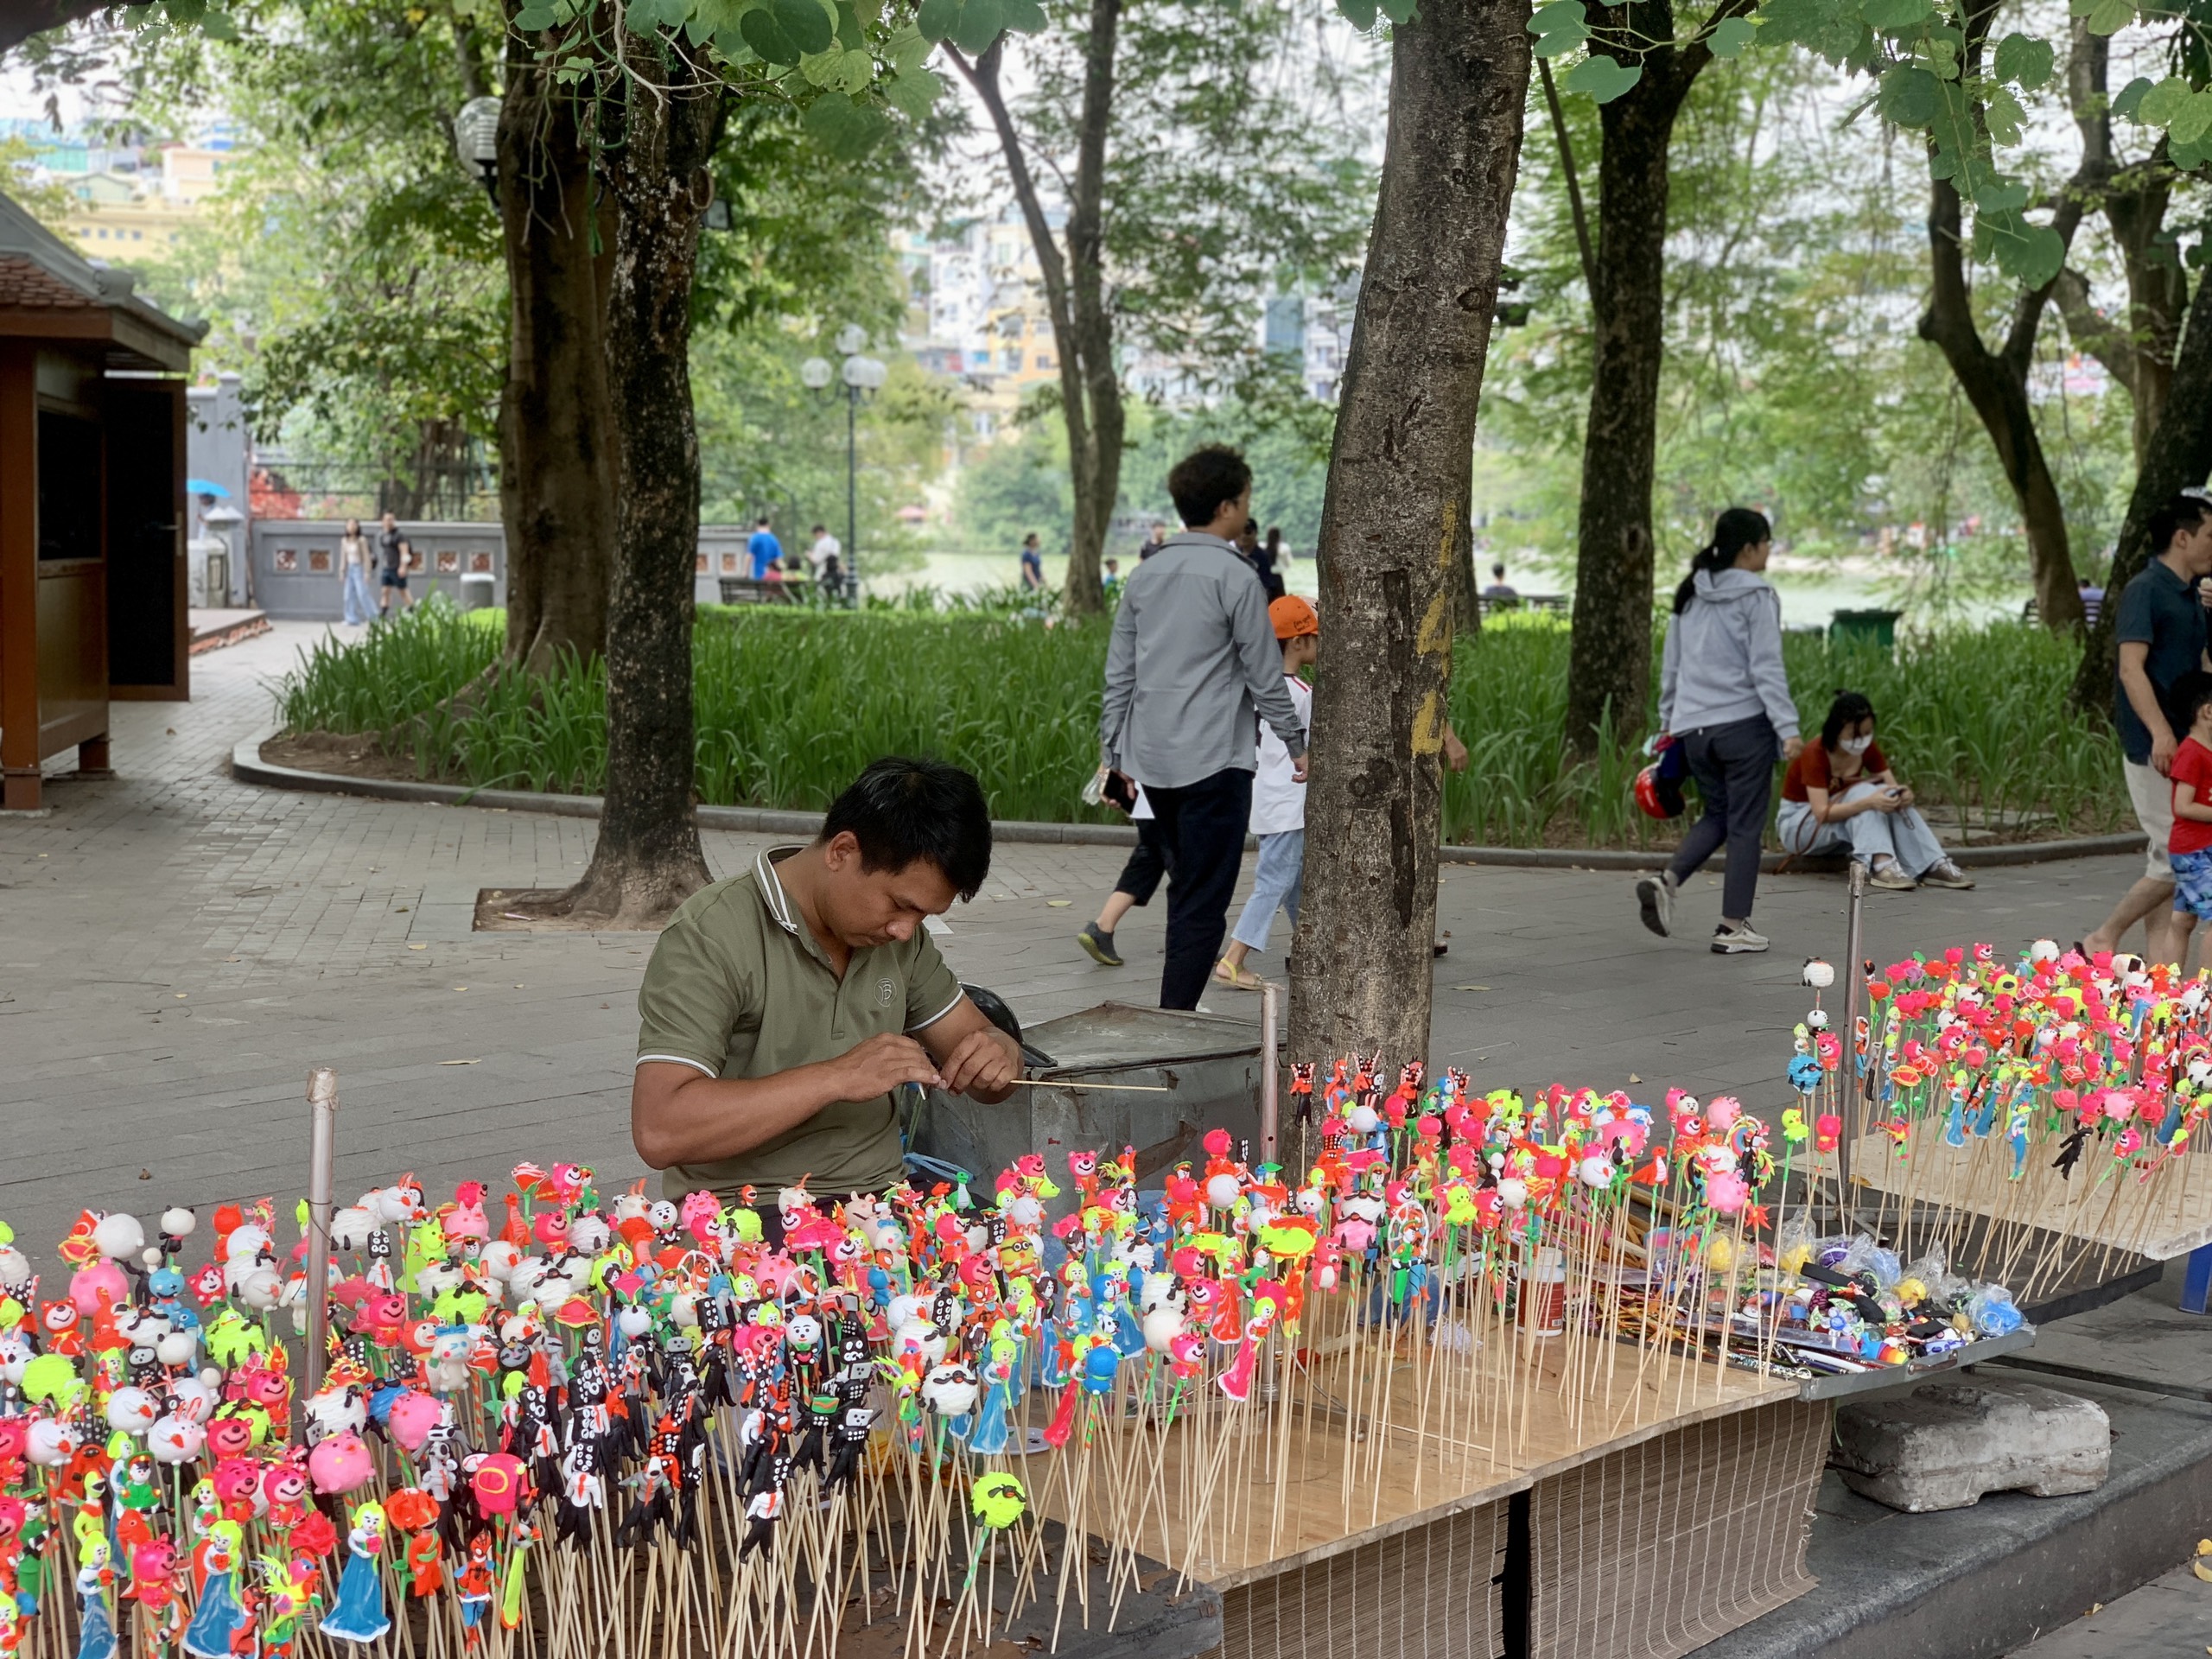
{"points": [[785, 1008]]}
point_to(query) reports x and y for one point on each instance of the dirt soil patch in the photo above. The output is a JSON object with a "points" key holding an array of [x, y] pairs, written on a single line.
{"points": [[528, 910]]}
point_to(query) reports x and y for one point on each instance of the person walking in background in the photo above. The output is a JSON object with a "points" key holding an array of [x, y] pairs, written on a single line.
{"points": [[2160, 628], [1840, 795], [1132, 888], [353, 560], [766, 551], [1033, 565], [1155, 539], [821, 561], [1191, 658], [1263, 561], [1278, 804], [2189, 845], [393, 548], [1111, 580], [1723, 693], [1274, 555]]}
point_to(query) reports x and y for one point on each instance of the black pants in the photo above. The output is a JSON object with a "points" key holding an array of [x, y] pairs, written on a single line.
{"points": [[1734, 768], [1202, 828], [1139, 877]]}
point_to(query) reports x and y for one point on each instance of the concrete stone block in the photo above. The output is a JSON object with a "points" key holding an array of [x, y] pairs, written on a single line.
{"points": [[1943, 1446]]}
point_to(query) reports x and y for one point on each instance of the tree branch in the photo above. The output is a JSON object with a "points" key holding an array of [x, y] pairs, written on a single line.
{"points": [[1574, 184], [2093, 332], [21, 19]]}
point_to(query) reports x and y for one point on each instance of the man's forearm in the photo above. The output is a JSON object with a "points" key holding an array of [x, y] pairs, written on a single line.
{"points": [[2143, 699], [703, 1119]]}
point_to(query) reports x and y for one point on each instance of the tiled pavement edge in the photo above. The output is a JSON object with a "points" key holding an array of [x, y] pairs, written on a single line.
{"points": [[177, 949]]}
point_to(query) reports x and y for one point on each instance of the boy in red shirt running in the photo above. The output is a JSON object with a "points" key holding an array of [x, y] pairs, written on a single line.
{"points": [[2189, 846]]}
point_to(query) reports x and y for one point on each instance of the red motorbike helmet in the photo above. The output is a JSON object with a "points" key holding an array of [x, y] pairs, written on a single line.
{"points": [[1658, 795]]}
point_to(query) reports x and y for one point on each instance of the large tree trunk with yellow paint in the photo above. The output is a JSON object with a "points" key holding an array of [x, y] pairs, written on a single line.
{"points": [[1394, 526]]}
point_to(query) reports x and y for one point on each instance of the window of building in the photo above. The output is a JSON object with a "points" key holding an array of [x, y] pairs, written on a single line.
{"points": [[1044, 360]]}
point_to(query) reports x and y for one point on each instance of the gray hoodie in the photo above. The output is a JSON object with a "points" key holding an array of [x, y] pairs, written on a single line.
{"points": [[1723, 659]]}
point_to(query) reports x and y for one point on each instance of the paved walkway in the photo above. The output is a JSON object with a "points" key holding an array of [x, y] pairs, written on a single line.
{"points": [[176, 949]]}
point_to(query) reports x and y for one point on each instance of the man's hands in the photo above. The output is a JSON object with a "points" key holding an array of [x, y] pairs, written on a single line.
{"points": [[983, 1061], [883, 1063], [1792, 748], [1298, 769], [2163, 745]]}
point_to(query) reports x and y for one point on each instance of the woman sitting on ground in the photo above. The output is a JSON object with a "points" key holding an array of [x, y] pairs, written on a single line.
{"points": [[1841, 796]]}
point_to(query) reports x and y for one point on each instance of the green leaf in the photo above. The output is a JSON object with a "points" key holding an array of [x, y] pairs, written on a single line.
{"points": [[2188, 157], [2031, 256], [905, 49], [1602, 78], [2025, 62], [1908, 96], [2158, 106], [2003, 115], [1558, 14], [2130, 98], [2193, 120], [218, 26], [1400, 12], [2109, 17], [913, 92], [936, 19], [1560, 42], [1022, 17], [1895, 15], [2001, 196], [532, 18], [808, 24], [1730, 36], [849, 34], [765, 36], [981, 23], [1359, 13]]}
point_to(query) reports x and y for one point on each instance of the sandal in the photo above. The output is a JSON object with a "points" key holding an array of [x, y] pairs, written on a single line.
{"points": [[1228, 973]]}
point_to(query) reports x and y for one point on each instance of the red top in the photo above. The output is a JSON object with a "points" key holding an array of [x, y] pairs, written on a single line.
{"points": [[1810, 770], [2192, 766]]}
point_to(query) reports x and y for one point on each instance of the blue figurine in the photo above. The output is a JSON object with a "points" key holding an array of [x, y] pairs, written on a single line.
{"points": [[359, 1615], [96, 1636], [221, 1615]]}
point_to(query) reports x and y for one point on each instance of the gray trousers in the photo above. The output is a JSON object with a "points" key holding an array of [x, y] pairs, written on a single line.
{"points": [[1902, 834]]}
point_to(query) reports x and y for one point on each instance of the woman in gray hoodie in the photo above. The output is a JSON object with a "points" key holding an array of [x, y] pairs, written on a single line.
{"points": [[1723, 695]]}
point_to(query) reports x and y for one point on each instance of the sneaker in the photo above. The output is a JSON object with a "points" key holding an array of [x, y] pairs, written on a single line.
{"points": [[1946, 875], [1657, 896], [1891, 878], [1100, 946], [1736, 940]]}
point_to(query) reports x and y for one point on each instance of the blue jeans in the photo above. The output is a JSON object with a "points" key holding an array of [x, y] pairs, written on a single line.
{"points": [[1276, 883], [359, 608]]}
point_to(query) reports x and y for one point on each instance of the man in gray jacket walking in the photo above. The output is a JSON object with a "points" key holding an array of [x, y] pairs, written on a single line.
{"points": [[1191, 668]]}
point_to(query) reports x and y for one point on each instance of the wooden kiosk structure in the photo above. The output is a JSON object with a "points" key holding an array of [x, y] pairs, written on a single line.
{"points": [[91, 503]]}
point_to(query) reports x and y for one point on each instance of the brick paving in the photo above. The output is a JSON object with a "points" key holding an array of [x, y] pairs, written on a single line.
{"points": [[177, 948]]}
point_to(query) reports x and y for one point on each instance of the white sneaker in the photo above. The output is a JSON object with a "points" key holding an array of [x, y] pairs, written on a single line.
{"points": [[1736, 940], [1657, 896], [1890, 876], [1946, 875]]}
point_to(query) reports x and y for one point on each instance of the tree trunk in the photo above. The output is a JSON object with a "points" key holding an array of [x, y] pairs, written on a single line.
{"points": [[2177, 457], [1610, 657], [648, 861], [1395, 519], [556, 427], [1996, 383], [1083, 330]]}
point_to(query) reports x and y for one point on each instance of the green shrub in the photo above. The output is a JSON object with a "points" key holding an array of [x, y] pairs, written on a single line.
{"points": [[792, 703]]}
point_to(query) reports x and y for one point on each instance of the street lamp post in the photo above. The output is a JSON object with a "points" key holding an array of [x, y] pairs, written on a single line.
{"points": [[860, 375]]}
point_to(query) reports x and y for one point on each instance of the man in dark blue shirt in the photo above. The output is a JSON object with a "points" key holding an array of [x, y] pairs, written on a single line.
{"points": [[2160, 628]]}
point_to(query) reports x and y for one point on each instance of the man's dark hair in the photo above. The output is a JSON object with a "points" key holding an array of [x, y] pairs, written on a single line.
{"points": [[817, 530], [2182, 512], [901, 809], [1206, 480], [761, 522], [1499, 570]]}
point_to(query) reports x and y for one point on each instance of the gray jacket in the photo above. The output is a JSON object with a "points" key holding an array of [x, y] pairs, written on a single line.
{"points": [[1193, 663], [1723, 659]]}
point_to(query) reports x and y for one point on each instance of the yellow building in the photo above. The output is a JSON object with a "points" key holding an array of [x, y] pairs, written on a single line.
{"points": [[118, 217]]}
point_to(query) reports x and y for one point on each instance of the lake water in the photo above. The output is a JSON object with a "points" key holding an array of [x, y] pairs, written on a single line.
{"points": [[1809, 597]]}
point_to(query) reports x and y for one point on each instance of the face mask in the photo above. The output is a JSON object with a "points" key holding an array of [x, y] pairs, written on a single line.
{"points": [[1857, 745]]}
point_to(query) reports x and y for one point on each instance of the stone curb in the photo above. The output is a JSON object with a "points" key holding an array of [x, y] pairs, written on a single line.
{"points": [[248, 766]]}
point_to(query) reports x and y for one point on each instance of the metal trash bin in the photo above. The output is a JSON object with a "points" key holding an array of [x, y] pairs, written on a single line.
{"points": [[1865, 627], [477, 591]]}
